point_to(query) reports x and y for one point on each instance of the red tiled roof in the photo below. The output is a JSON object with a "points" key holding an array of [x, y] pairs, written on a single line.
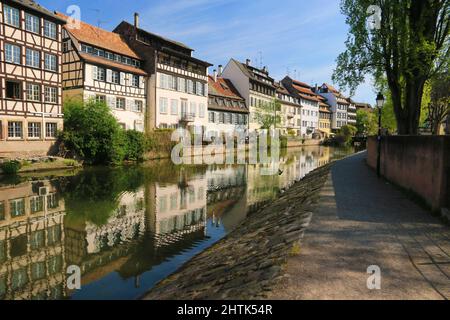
{"points": [[100, 38], [223, 87], [302, 84]]}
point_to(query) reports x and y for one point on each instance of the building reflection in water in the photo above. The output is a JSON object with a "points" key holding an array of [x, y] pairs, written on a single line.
{"points": [[32, 259], [128, 223]]}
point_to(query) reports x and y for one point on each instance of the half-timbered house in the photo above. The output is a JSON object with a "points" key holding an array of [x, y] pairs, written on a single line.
{"points": [[98, 64], [30, 77], [177, 90]]}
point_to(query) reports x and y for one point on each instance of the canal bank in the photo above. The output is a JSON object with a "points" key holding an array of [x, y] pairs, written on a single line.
{"points": [[251, 259]]}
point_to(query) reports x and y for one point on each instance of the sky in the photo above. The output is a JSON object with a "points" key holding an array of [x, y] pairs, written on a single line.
{"points": [[300, 38]]}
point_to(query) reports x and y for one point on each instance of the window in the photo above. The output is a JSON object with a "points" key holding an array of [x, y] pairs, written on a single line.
{"points": [[50, 62], [135, 81], [164, 81], [33, 58], [201, 110], [120, 103], [34, 130], [181, 84], [174, 107], [49, 29], [50, 130], [98, 73], [211, 116], [100, 99], [173, 83], [51, 94], [12, 16], [33, 92], [190, 85], [199, 88], [163, 105], [193, 108], [115, 77], [138, 106], [15, 129], [12, 53], [66, 46], [17, 207], [13, 90], [31, 23]]}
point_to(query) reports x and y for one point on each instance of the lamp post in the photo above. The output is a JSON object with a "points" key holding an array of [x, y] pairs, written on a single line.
{"points": [[380, 103]]}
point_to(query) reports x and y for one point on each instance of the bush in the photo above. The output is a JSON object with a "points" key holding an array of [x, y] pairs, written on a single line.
{"points": [[135, 145], [344, 136], [92, 133], [10, 167], [283, 142]]}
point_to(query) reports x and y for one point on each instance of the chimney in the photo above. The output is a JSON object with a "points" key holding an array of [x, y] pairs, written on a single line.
{"points": [[247, 62], [265, 69], [215, 75], [136, 20], [220, 70]]}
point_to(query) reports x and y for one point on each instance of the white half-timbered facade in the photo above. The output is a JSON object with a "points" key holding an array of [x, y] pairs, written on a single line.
{"points": [[30, 77], [99, 65]]}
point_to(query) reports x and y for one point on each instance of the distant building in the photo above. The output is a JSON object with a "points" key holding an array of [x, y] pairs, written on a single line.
{"points": [[177, 88], [351, 112], [255, 86], [338, 103], [99, 65], [290, 113], [363, 106], [227, 110], [309, 102], [31, 90], [325, 119]]}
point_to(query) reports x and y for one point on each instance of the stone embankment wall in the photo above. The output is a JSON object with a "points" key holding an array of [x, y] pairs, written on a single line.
{"points": [[246, 263], [420, 164]]}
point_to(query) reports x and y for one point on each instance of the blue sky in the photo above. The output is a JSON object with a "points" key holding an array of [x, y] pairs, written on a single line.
{"points": [[301, 37]]}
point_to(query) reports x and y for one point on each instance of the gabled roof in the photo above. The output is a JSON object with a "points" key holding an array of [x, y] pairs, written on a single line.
{"points": [[249, 72], [224, 88], [106, 62], [101, 38], [151, 34], [32, 5]]}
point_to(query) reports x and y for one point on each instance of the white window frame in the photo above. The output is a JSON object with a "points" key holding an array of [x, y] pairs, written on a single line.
{"points": [[33, 92], [34, 130], [12, 16], [50, 30], [50, 62], [50, 94], [32, 58], [163, 104], [32, 23], [121, 103], [12, 53], [174, 107], [51, 129], [15, 129]]}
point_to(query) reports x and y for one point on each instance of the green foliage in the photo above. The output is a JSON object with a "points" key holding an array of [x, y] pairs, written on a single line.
{"points": [[283, 142], [11, 167], [366, 122], [92, 133], [411, 45], [267, 115], [135, 145], [345, 135]]}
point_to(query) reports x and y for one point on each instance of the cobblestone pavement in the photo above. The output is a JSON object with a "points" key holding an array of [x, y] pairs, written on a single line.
{"points": [[361, 221]]}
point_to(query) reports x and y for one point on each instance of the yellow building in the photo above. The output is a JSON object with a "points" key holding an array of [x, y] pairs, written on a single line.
{"points": [[325, 119]]}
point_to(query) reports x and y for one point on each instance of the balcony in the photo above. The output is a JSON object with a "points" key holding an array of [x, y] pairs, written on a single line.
{"points": [[290, 115], [187, 117]]}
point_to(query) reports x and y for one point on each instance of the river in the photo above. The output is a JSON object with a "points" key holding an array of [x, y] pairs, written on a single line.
{"points": [[127, 228]]}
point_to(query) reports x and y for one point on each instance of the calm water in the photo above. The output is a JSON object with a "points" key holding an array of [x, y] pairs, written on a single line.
{"points": [[127, 228]]}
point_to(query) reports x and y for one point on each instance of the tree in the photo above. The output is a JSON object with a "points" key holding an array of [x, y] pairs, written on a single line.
{"points": [[92, 132], [267, 115], [439, 106], [366, 122], [410, 44]]}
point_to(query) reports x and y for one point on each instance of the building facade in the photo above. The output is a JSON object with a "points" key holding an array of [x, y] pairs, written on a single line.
{"points": [[339, 106], [177, 88], [290, 112], [256, 87], [351, 112], [227, 110], [99, 65], [30, 76], [309, 106], [325, 119]]}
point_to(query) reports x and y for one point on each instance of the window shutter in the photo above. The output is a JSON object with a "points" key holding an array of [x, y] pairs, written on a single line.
{"points": [[109, 75], [122, 78], [141, 82], [94, 72], [110, 102]]}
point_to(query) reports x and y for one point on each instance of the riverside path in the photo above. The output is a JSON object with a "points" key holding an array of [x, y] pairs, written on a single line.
{"points": [[360, 221]]}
